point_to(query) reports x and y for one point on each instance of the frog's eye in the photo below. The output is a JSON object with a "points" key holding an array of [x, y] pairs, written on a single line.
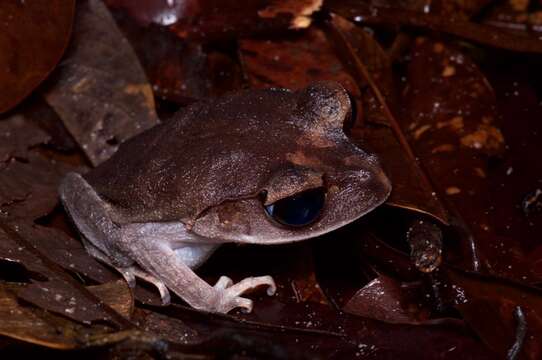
{"points": [[298, 210]]}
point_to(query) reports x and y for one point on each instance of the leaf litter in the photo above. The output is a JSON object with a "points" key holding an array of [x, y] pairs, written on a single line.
{"points": [[387, 291]]}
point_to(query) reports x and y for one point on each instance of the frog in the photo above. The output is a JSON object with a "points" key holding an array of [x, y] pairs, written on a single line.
{"points": [[257, 166]]}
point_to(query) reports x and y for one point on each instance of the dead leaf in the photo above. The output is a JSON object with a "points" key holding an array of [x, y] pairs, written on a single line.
{"points": [[33, 37], [117, 295], [100, 91]]}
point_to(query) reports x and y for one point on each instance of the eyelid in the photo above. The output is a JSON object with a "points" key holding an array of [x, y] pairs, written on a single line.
{"points": [[291, 181]]}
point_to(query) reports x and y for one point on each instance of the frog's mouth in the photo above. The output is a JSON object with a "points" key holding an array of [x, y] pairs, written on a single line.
{"points": [[345, 199]]}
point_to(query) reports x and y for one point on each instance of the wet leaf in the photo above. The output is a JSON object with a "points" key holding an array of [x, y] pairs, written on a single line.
{"points": [[455, 129], [73, 257], [33, 37], [42, 116], [53, 289], [453, 8], [294, 62], [180, 71], [17, 135], [488, 304], [37, 326], [100, 91], [339, 336], [485, 302], [117, 295], [166, 327], [522, 16], [28, 186], [370, 65], [211, 19], [66, 252], [23, 323], [486, 35], [387, 300]]}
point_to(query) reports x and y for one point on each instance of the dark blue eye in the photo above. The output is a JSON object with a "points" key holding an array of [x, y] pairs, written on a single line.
{"points": [[299, 210]]}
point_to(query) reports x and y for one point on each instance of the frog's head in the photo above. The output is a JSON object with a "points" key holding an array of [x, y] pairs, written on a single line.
{"points": [[311, 179]]}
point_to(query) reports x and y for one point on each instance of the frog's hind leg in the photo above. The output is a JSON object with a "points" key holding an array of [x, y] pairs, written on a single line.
{"points": [[130, 273], [91, 216], [100, 235]]}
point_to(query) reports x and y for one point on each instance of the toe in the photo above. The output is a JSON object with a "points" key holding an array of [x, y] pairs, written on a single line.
{"points": [[223, 283], [271, 286], [164, 294], [129, 276], [245, 304]]}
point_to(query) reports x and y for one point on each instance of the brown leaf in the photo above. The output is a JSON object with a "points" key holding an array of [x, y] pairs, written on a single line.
{"points": [[524, 16], [17, 135], [60, 293], [386, 300], [370, 65], [179, 70], [72, 256], [452, 8], [66, 252], [486, 35], [33, 37], [451, 120], [168, 328], [117, 295], [23, 323], [101, 92], [40, 327], [488, 303], [485, 302], [28, 186], [338, 336], [294, 62], [211, 19]]}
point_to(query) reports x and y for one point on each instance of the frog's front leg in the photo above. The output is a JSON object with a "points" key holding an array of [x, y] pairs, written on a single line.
{"points": [[169, 253]]}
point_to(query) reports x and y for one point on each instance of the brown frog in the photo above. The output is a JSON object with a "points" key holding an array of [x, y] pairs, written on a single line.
{"points": [[258, 166]]}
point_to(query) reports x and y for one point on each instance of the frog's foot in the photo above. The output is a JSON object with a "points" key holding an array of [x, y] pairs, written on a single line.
{"points": [[130, 273], [166, 253], [229, 293]]}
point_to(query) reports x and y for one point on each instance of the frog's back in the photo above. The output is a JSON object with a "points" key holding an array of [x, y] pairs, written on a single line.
{"points": [[211, 152]]}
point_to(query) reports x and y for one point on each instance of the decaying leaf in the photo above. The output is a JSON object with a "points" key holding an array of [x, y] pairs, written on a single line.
{"points": [[100, 90], [33, 37], [435, 107], [370, 65], [17, 135], [28, 181], [385, 299], [59, 292], [180, 71], [117, 295], [206, 20], [24, 323], [487, 303], [28, 186], [379, 15]]}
